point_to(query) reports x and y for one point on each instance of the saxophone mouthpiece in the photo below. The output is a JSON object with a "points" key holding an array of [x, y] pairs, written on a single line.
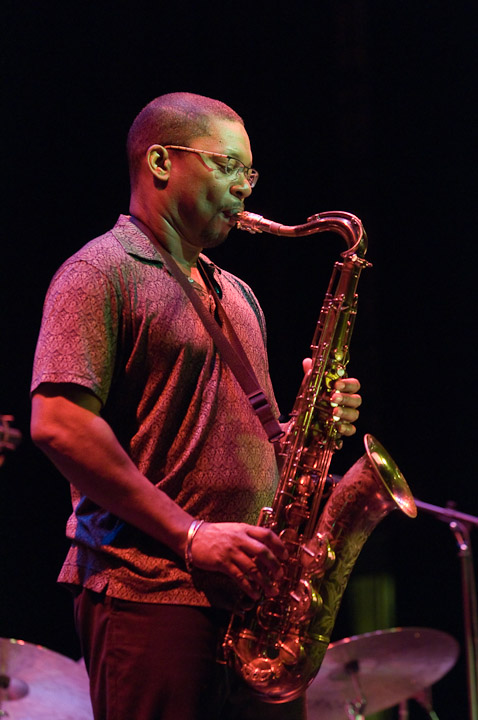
{"points": [[249, 221]]}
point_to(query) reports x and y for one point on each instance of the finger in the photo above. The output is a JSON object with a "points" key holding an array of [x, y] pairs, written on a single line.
{"points": [[347, 385], [345, 417], [247, 586], [260, 563], [346, 429], [345, 414], [345, 400], [255, 581], [266, 544], [249, 582]]}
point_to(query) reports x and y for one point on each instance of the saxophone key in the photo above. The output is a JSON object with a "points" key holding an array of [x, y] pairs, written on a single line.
{"points": [[317, 555], [271, 614], [296, 513], [304, 602], [290, 538], [292, 651]]}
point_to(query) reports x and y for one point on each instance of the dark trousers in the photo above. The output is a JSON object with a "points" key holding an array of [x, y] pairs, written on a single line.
{"points": [[159, 662]]}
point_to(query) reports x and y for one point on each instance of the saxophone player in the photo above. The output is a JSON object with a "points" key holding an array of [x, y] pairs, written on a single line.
{"points": [[168, 466]]}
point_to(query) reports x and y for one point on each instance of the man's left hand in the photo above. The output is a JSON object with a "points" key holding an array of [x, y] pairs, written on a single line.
{"points": [[345, 402]]}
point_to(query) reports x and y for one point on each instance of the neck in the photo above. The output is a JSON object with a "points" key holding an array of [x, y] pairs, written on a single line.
{"points": [[165, 234], [188, 267]]}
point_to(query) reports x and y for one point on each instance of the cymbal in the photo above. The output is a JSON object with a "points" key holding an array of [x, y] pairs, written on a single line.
{"points": [[385, 667], [39, 684]]}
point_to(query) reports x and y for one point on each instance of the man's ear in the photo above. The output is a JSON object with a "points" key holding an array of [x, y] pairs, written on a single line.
{"points": [[158, 161]]}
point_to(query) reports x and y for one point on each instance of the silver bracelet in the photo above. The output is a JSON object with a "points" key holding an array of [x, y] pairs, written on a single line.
{"points": [[193, 528]]}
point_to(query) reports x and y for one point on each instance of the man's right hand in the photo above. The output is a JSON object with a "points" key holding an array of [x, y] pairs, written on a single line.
{"points": [[248, 554]]}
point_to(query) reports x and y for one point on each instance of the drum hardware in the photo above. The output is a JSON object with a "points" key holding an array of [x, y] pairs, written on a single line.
{"points": [[461, 524], [375, 671], [424, 698], [38, 683]]}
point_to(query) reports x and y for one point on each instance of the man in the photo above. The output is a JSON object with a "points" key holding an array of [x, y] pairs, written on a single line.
{"points": [[134, 405]]}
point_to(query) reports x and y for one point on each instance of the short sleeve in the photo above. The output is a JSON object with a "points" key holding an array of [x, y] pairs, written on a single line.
{"points": [[79, 330]]}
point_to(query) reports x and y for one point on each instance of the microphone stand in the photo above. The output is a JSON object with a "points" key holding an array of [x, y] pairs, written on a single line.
{"points": [[461, 524]]}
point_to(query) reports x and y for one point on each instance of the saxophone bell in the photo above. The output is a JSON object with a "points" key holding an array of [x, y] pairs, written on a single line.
{"points": [[385, 469]]}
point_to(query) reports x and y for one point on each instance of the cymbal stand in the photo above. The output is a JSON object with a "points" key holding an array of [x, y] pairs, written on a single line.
{"points": [[355, 708], [404, 715], [424, 698], [461, 524]]}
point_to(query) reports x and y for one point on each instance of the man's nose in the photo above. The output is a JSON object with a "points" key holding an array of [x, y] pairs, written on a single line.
{"points": [[240, 188]]}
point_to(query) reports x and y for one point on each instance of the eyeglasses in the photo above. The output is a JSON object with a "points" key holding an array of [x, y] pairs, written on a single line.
{"points": [[232, 167]]}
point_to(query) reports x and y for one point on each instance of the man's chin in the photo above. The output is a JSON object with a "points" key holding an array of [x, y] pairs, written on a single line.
{"points": [[212, 238]]}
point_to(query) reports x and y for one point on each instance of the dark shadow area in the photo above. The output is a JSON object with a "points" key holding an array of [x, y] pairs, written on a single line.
{"points": [[359, 106]]}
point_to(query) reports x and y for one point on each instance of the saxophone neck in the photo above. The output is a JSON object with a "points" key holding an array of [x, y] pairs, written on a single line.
{"points": [[348, 226]]}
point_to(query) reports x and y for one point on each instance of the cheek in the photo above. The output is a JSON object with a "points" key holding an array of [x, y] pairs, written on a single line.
{"points": [[214, 196], [205, 198]]}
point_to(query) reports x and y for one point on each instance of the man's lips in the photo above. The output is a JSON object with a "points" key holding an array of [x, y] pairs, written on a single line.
{"points": [[231, 213]]}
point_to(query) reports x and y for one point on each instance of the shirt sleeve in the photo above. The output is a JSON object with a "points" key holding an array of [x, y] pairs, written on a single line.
{"points": [[79, 330]]}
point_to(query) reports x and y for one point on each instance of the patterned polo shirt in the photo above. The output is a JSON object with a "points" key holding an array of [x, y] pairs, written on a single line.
{"points": [[116, 322]]}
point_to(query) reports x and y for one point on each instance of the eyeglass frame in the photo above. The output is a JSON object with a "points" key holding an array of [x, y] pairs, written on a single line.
{"points": [[250, 174]]}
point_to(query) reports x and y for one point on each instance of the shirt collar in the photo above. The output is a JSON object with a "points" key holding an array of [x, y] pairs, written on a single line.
{"points": [[137, 244]]}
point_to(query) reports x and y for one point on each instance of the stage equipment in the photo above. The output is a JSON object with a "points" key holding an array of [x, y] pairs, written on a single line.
{"points": [[461, 524], [278, 644], [41, 684], [10, 437], [368, 673]]}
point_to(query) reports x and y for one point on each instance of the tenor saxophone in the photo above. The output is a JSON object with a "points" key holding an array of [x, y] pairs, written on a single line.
{"points": [[279, 643]]}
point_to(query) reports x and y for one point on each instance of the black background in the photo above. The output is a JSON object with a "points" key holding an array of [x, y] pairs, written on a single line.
{"points": [[363, 106]]}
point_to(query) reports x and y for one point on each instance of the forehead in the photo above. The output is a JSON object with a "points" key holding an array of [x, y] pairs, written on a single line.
{"points": [[227, 137]]}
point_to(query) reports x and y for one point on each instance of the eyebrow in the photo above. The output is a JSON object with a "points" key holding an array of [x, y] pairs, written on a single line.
{"points": [[235, 154]]}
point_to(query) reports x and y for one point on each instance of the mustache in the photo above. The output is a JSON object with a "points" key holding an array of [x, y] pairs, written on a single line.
{"points": [[233, 210]]}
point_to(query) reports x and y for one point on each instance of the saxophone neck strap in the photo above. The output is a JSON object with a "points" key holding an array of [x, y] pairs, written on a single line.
{"points": [[231, 350]]}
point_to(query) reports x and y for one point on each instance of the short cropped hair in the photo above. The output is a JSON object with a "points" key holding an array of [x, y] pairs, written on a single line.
{"points": [[173, 119]]}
